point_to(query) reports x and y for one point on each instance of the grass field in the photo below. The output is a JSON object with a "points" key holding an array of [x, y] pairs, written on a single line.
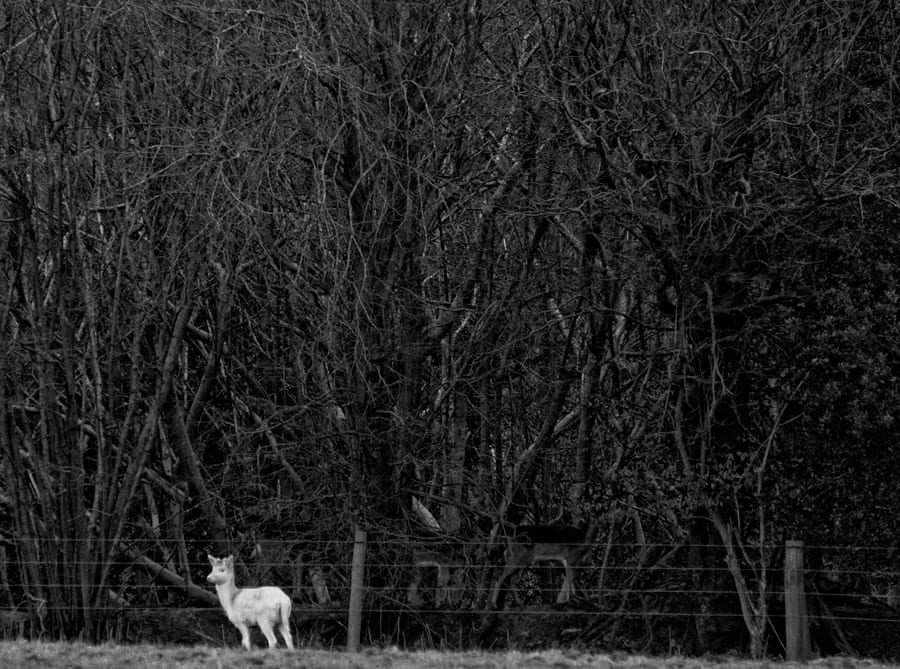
{"points": [[84, 656]]}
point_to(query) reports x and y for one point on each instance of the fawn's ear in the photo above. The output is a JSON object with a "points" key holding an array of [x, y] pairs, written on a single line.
{"points": [[229, 560], [211, 559]]}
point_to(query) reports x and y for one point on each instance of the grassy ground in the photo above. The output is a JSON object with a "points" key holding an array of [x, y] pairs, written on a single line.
{"points": [[83, 656]]}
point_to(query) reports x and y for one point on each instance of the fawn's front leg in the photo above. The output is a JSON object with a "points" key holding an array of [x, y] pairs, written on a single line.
{"points": [[245, 635]]}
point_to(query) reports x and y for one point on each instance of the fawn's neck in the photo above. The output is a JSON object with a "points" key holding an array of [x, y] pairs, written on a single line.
{"points": [[227, 591]]}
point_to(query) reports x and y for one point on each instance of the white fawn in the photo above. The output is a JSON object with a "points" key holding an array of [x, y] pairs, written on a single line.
{"points": [[541, 543], [247, 607]]}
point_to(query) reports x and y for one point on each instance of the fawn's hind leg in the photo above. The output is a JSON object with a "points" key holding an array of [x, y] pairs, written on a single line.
{"points": [[285, 629], [265, 627]]}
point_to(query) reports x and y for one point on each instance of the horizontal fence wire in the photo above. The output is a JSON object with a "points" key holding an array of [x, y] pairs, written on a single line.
{"points": [[605, 587], [400, 537]]}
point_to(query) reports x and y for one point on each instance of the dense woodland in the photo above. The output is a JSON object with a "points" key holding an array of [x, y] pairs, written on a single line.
{"points": [[272, 270]]}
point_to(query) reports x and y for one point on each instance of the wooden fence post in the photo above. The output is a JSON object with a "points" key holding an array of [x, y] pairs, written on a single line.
{"points": [[796, 623], [357, 575]]}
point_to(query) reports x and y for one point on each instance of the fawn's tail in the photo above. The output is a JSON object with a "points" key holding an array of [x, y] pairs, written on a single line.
{"points": [[285, 607]]}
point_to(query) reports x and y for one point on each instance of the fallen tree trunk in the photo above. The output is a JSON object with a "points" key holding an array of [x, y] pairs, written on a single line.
{"points": [[171, 578]]}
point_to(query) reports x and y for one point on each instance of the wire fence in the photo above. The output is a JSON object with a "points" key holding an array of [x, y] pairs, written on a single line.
{"points": [[613, 580]]}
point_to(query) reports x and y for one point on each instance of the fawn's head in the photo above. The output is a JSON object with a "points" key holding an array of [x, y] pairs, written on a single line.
{"points": [[222, 569]]}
